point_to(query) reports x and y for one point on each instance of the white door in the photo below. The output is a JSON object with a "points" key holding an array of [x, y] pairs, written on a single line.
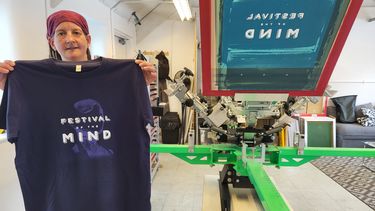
{"points": [[120, 47]]}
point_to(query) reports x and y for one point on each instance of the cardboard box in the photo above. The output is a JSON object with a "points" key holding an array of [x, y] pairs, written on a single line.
{"points": [[314, 109]]}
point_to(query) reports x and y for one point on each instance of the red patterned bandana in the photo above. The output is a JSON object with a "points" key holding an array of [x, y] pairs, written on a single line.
{"points": [[65, 16]]}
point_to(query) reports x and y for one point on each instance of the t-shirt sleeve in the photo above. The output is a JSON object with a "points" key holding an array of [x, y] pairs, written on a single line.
{"points": [[11, 108], [3, 107]]}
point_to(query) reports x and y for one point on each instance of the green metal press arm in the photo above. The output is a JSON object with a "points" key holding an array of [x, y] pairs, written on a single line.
{"points": [[253, 169], [266, 190], [288, 156]]}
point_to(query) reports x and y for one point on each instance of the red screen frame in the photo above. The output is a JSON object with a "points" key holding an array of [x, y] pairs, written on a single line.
{"points": [[205, 26]]}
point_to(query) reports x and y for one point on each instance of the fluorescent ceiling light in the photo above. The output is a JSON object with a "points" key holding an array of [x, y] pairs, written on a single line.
{"points": [[183, 9]]}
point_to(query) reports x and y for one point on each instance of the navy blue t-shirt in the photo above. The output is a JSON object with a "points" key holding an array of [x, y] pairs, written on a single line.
{"points": [[80, 137]]}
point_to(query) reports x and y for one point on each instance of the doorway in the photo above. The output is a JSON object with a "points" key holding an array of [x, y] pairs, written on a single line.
{"points": [[121, 47]]}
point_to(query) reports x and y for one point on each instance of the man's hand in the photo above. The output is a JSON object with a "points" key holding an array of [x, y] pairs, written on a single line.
{"points": [[149, 71], [5, 68]]}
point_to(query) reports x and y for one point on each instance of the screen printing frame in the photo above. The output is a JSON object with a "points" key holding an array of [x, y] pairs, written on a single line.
{"points": [[208, 44]]}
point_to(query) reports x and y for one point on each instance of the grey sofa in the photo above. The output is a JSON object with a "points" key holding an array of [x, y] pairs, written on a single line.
{"points": [[352, 134]]}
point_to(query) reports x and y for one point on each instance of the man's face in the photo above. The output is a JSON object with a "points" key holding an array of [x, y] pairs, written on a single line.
{"points": [[70, 41]]}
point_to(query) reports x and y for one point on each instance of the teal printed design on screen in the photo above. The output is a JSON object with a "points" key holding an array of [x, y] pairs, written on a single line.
{"points": [[265, 37]]}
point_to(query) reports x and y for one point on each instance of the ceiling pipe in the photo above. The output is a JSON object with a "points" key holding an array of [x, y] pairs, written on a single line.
{"points": [[150, 12]]}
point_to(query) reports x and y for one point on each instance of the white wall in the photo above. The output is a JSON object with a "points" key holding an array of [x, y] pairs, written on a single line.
{"points": [[175, 37], [23, 31], [126, 29], [355, 70]]}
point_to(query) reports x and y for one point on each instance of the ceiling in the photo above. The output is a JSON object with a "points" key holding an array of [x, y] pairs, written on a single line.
{"points": [[368, 3], [161, 8], [150, 13], [143, 8]]}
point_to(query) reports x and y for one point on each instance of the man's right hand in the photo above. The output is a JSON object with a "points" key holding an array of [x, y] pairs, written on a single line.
{"points": [[5, 68]]}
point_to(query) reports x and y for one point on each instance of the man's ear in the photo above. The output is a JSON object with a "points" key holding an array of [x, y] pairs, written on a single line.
{"points": [[88, 38], [51, 43]]}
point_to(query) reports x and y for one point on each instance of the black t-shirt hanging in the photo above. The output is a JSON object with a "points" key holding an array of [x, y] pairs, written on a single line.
{"points": [[80, 137], [163, 66]]}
